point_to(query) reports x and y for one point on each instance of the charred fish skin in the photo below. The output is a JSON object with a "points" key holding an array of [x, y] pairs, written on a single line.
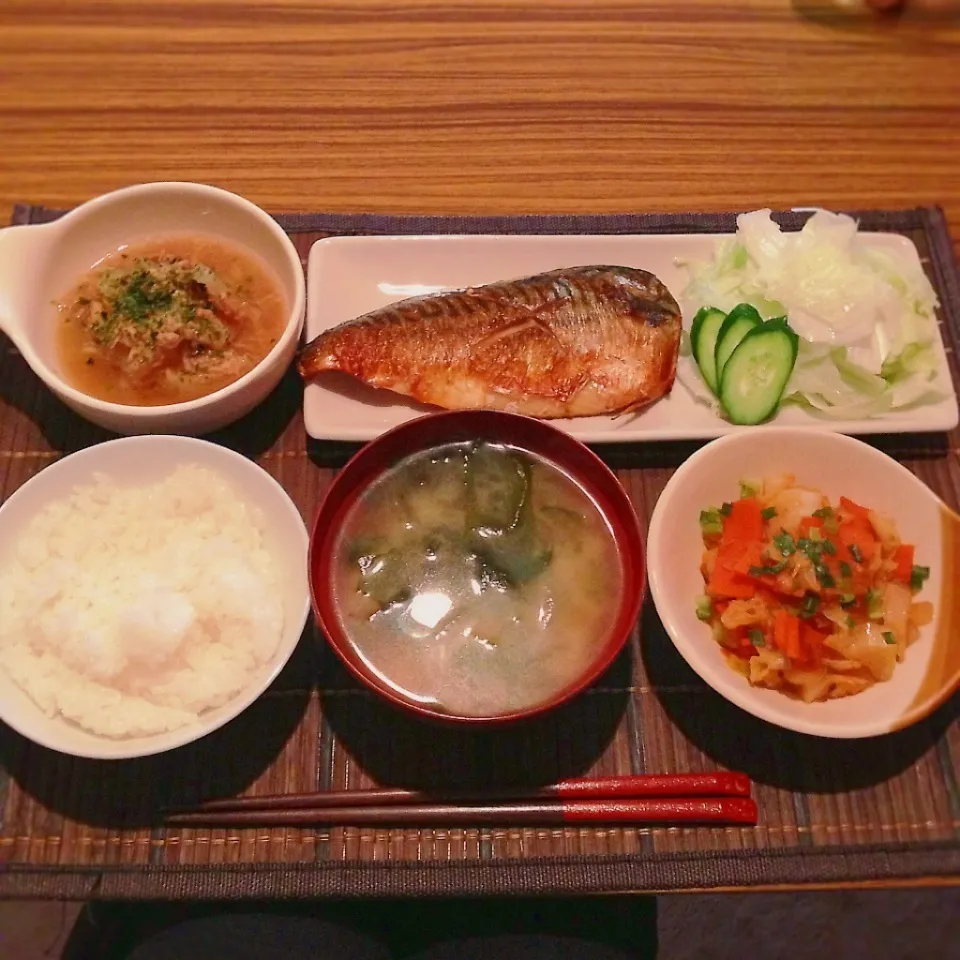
{"points": [[577, 341]]}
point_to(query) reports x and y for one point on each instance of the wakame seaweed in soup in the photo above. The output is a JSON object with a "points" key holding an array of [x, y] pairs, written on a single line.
{"points": [[477, 578]]}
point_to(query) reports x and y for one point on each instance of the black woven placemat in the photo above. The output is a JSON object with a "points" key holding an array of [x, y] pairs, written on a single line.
{"points": [[831, 811]]}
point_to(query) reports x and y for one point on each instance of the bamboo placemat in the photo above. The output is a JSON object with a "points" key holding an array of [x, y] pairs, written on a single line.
{"points": [[830, 811]]}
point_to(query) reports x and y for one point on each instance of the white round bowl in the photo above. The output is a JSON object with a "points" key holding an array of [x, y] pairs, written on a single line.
{"points": [[139, 461], [40, 262], [837, 465]]}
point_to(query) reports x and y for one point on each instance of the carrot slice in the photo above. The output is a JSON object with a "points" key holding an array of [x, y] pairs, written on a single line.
{"points": [[811, 643], [741, 556], [744, 522], [903, 558], [854, 509], [725, 582], [857, 533], [786, 633]]}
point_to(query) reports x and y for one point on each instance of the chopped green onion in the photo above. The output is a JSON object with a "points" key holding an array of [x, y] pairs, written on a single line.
{"points": [[726, 509], [756, 638], [829, 547], [704, 607], [749, 488], [856, 553], [888, 637], [845, 569], [874, 604], [823, 513], [769, 513], [918, 576], [768, 569], [711, 523], [811, 603], [784, 543], [824, 576], [847, 600], [851, 623]]}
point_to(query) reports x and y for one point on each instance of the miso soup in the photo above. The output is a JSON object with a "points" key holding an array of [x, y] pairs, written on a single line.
{"points": [[477, 579]]}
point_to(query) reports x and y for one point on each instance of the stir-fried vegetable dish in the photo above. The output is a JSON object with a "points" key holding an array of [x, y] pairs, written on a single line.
{"points": [[805, 596]]}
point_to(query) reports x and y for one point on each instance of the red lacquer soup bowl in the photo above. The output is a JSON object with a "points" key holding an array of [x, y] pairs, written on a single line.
{"points": [[591, 616]]}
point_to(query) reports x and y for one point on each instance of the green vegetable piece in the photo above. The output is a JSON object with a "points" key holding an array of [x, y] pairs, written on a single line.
{"points": [[385, 577], [756, 638], [811, 604], [889, 638], [823, 513], [918, 576], [824, 576], [768, 513], [845, 569], [497, 486], [768, 569], [737, 324], [829, 547], [704, 607], [726, 509], [749, 488], [785, 544], [711, 522], [703, 343], [758, 370], [851, 623], [847, 600]]}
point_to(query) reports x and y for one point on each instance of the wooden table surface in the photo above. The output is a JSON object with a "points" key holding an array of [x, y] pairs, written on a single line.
{"points": [[484, 106]]}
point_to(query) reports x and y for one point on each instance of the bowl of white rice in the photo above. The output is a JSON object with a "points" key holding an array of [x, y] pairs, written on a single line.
{"points": [[151, 588]]}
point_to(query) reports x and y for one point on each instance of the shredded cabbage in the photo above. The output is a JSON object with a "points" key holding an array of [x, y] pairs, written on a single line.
{"points": [[866, 319]]}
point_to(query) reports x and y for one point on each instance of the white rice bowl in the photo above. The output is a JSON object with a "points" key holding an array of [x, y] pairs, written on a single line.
{"points": [[150, 589]]}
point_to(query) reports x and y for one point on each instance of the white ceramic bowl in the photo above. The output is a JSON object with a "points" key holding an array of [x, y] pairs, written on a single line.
{"points": [[837, 465], [142, 460], [41, 262]]}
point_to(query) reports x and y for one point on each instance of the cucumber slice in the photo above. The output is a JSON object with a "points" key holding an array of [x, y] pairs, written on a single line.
{"points": [[703, 342], [740, 321], [757, 371]]}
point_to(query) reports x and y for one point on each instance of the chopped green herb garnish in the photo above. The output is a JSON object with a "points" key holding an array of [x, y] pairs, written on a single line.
{"points": [[756, 638], [823, 513], [824, 576], [768, 569], [847, 600], [704, 607], [851, 623], [811, 603], [784, 543], [769, 513], [856, 552], [726, 509], [845, 569], [889, 638], [749, 488], [711, 522], [918, 576]]}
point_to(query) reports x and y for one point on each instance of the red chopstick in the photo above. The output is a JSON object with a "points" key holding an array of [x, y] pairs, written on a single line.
{"points": [[714, 810], [585, 788]]}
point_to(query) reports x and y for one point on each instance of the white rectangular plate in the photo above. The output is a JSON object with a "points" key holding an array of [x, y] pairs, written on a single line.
{"points": [[350, 276]]}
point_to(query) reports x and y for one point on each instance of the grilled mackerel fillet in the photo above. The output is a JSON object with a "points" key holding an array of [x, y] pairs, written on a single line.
{"points": [[575, 342]]}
